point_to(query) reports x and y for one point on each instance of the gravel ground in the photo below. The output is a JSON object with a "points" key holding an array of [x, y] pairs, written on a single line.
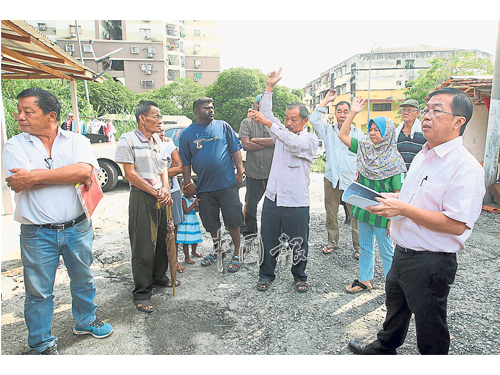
{"points": [[222, 313]]}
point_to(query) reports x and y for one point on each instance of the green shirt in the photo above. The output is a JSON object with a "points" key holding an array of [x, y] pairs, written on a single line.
{"points": [[387, 185]]}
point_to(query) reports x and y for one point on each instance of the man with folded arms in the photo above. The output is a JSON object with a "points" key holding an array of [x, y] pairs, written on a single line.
{"points": [[44, 163]]}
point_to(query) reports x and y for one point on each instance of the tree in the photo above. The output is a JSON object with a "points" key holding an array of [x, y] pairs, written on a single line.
{"points": [[442, 68], [60, 88], [235, 90]]}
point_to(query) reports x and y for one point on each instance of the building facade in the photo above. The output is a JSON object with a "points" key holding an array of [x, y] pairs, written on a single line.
{"points": [[380, 75], [149, 53]]}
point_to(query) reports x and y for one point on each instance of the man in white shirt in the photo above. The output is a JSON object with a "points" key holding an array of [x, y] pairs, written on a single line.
{"points": [[43, 164], [440, 201], [341, 169], [286, 206]]}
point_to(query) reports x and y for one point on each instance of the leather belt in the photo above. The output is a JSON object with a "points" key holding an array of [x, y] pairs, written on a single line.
{"points": [[414, 252], [65, 225]]}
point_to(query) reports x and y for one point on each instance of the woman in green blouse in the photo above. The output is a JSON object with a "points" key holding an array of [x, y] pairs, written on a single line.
{"points": [[381, 168]]}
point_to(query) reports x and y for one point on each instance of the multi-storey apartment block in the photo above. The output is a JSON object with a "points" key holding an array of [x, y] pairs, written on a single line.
{"points": [[382, 73], [152, 52]]}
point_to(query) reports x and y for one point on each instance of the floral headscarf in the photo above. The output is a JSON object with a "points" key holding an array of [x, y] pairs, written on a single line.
{"points": [[380, 161]]}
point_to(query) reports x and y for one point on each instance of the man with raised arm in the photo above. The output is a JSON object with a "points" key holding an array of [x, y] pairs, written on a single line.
{"points": [[286, 206]]}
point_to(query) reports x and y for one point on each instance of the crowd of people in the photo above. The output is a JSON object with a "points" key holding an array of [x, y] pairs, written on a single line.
{"points": [[431, 187]]}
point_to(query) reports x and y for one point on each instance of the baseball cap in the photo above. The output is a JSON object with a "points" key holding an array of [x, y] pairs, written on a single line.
{"points": [[410, 102]]}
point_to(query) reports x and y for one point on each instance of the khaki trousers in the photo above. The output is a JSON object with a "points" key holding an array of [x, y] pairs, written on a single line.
{"points": [[333, 196]]}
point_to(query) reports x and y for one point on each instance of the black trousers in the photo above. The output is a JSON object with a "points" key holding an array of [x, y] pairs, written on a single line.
{"points": [[148, 232], [418, 283], [255, 190]]}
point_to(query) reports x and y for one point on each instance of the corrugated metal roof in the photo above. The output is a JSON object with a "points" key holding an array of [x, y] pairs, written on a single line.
{"points": [[28, 54], [477, 87]]}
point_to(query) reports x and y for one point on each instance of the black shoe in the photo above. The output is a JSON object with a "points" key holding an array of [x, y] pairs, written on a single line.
{"points": [[51, 350], [359, 347]]}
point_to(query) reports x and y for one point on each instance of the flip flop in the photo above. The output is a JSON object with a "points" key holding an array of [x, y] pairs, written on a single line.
{"points": [[328, 249], [301, 286], [142, 304], [263, 285], [177, 283], [196, 255], [357, 283], [192, 262], [209, 260], [356, 254]]}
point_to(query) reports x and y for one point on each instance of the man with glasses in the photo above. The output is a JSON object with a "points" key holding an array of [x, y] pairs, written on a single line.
{"points": [[44, 163], [409, 135], [440, 201], [145, 164], [340, 171]]}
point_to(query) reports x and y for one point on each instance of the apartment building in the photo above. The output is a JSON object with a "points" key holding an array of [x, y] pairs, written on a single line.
{"points": [[383, 73], [148, 53]]}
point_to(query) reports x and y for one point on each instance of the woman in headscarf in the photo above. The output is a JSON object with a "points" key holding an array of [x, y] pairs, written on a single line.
{"points": [[380, 168]]}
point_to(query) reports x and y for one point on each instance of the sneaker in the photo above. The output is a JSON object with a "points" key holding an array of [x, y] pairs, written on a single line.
{"points": [[97, 328], [51, 350]]}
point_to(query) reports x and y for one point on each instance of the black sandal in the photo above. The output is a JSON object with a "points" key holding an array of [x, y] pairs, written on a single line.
{"points": [[263, 285], [301, 286], [143, 304]]}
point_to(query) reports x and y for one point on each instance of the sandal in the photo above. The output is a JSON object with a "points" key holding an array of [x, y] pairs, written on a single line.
{"points": [[328, 249], [356, 254], [143, 305], [356, 283], [263, 285], [177, 283], [301, 286], [209, 260], [236, 261]]}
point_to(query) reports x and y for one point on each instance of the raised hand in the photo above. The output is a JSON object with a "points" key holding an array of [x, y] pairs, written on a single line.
{"points": [[273, 78], [357, 104], [258, 117], [331, 95]]}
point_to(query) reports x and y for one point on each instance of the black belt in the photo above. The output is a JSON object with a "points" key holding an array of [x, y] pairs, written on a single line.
{"points": [[414, 252], [65, 225]]}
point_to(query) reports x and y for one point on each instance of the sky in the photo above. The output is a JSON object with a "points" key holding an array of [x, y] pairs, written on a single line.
{"points": [[306, 48], [305, 38]]}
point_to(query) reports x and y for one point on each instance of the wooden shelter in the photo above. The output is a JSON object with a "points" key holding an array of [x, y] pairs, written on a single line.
{"points": [[28, 54]]}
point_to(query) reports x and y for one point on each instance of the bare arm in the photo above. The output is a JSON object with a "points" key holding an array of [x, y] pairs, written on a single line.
{"points": [[238, 162], [254, 144], [176, 167], [357, 106], [138, 181], [23, 179], [186, 174]]}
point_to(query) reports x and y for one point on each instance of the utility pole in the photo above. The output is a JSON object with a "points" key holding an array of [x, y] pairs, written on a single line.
{"points": [[369, 82], [492, 145], [81, 58]]}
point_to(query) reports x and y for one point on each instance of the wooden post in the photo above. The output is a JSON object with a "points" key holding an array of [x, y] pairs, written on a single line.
{"points": [[492, 145], [74, 102]]}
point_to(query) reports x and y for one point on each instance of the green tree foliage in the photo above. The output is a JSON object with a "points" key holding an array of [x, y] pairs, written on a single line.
{"points": [[177, 97], [235, 90], [60, 88], [442, 68], [109, 96]]}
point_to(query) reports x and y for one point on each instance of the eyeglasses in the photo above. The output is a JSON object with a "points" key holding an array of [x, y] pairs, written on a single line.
{"points": [[434, 112], [407, 110], [156, 117], [49, 163]]}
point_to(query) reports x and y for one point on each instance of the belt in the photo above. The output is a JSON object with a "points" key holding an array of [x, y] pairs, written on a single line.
{"points": [[65, 225], [415, 252]]}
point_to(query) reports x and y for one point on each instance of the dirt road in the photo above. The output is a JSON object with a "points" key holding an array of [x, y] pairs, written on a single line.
{"points": [[223, 313]]}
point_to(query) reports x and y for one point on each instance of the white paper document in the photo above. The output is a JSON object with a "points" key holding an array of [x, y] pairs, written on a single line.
{"points": [[362, 197]]}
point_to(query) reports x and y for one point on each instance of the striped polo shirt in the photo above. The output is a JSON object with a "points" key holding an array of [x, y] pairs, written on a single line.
{"points": [[147, 156], [387, 185], [409, 146]]}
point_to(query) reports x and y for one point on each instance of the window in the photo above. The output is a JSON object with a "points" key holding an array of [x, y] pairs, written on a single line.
{"points": [[42, 26], [145, 33], [147, 84], [409, 64], [197, 63], [87, 48], [118, 65], [134, 49], [381, 107], [198, 76], [353, 88], [69, 47], [398, 62], [197, 48], [197, 33], [72, 30], [145, 67]]}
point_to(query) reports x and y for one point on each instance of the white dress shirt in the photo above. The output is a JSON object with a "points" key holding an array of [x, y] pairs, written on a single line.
{"points": [[447, 179], [288, 183], [341, 164], [55, 203]]}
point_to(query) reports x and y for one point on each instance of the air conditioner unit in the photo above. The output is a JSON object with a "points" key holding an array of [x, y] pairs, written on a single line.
{"points": [[42, 27], [148, 72], [195, 51], [195, 79], [147, 37], [151, 54]]}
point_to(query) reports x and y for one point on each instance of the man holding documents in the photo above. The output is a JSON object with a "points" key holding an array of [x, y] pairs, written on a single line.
{"points": [[44, 163], [440, 201]]}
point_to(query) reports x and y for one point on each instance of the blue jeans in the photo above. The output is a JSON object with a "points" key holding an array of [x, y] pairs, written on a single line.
{"points": [[367, 235], [40, 252], [294, 222]]}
